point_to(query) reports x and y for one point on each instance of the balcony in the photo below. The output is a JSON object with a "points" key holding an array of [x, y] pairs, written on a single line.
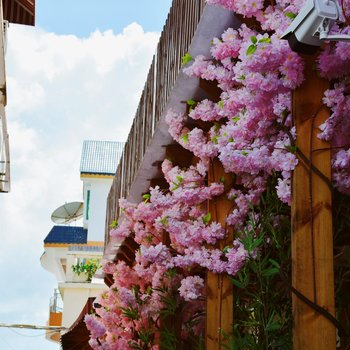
{"points": [[55, 318], [82, 254]]}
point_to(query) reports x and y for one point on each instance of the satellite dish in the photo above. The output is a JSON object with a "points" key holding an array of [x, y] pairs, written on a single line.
{"points": [[67, 213]]}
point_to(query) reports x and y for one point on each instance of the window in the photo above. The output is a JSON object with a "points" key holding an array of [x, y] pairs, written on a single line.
{"points": [[87, 204]]}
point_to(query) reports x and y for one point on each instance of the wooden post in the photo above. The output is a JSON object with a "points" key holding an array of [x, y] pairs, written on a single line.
{"points": [[219, 287], [312, 237]]}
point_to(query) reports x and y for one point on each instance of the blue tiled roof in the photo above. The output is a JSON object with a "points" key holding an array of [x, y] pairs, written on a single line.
{"points": [[67, 235], [100, 157]]}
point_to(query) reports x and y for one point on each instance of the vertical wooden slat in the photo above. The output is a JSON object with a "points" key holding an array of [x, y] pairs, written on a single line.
{"points": [[219, 306], [176, 37], [312, 239]]}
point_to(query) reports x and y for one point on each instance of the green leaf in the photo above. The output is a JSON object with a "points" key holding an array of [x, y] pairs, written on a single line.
{"points": [[253, 39], [221, 104], [241, 281], [290, 15], [217, 127], [206, 218], [145, 336], [241, 77], [186, 58], [257, 242], [225, 250], [270, 272], [273, 326], [114, 224], [180, 179], [222, 179], [265, 40], [235, 119], [272, 323], [274, 263], [291, 149], [172, 272], [146, 197], [130, 313], [184, 138], [238, 283], [244, 153], [251, 49], [164, 221], [191, 102], [215, 139]]}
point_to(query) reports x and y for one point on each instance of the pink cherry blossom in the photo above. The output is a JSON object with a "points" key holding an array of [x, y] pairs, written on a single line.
{"points": [[191, 287]]}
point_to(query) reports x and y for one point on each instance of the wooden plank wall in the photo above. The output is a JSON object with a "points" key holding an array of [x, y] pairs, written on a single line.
{"points": [[312, 238], [219, 288], [174, 42]]}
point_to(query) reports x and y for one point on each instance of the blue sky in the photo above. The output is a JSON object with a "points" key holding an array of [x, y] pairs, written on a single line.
{"points": [[81, 17], [77, 75]]}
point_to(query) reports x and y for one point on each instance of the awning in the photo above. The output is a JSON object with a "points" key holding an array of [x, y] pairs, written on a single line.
{"points": [[19, 11], [78, 336]]}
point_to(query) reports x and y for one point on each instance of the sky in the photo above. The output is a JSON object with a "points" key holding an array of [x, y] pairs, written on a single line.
{"points": [[78, 74]]}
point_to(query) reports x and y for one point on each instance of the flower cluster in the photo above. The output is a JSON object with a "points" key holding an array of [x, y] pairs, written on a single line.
{"points": [[252, 133], [249, 131], [130, 310]]}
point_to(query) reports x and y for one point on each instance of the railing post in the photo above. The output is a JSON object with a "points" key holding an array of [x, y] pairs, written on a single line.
{"points": [[312, 237], [219, 306]]}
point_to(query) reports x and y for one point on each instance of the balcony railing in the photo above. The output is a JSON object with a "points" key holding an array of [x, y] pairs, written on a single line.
{"points": [[174, 42], [56, 303], [85, 248]]}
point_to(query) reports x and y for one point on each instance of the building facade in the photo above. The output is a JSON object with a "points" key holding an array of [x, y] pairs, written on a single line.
{"points": [[73, 253]]}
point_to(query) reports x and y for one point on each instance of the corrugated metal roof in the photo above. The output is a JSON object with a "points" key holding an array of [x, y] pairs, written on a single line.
{"points": [[67, 235], [100, 157]]}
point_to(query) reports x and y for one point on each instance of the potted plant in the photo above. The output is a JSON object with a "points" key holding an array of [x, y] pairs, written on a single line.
{"points": [[87, 268]]}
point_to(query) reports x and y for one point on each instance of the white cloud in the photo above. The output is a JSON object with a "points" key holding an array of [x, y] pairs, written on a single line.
{"points": [[61, 90], [29, 94]]}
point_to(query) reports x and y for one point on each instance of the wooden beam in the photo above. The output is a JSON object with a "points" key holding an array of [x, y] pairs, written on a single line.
{"points": [[219, 302], [179, 155], [161, 182], [197, 123], [126, 251], [108, 280], [312, 237], [211, 89]]}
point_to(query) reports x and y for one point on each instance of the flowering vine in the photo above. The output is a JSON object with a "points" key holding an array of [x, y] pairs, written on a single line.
{"points": [[252, 135]]}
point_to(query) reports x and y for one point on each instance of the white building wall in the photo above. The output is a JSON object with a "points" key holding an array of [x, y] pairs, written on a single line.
{"points": [[74, 296], [4, 138], [51, 261], [95, 207]]}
